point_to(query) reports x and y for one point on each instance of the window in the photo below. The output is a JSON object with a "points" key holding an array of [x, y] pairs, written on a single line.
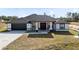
{"points": [[62, 26], [29, 26]]}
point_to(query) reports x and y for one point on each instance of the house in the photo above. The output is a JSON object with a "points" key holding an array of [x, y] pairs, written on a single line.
{"points": [[37, 23]]}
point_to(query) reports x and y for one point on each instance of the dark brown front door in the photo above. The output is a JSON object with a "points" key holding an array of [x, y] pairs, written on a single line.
{"points": [[43, 26]]}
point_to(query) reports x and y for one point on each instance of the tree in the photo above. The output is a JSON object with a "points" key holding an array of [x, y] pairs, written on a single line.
{"points": [[7, 18], [62, 18], [73, 16], [14, 17], [4, 18], [69, 14]]}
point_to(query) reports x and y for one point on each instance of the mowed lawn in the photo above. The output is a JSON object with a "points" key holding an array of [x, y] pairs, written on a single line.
{"points": [[51, 41]]}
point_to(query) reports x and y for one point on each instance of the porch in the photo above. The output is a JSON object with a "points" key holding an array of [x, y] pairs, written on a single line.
{"points": [[40, 27]]}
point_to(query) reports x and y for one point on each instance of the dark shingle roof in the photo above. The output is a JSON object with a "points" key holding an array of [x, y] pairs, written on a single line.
{"points": [[33, 17], [60, 21]]}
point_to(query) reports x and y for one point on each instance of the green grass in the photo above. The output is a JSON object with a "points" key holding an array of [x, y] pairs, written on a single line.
{"points": [[57, 41]]}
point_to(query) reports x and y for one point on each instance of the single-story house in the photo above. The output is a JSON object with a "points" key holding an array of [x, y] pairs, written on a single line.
{"points": [[37, 23]]}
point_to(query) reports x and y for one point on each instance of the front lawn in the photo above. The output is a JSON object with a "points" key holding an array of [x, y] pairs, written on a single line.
{"points": [[3, 27], [55, 41]]}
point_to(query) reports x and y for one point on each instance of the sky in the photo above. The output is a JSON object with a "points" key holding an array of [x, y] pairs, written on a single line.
{"points": [[22, 12]]}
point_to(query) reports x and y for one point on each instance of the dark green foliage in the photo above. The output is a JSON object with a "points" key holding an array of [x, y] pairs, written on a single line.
{"points": [[7, 18], [73, 17]]}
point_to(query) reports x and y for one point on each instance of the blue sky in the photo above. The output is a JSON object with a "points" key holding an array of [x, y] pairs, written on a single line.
{"points": [[21, 12]]}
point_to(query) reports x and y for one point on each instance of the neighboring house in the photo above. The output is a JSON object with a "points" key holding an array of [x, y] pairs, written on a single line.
{"points": [[38, 23]]}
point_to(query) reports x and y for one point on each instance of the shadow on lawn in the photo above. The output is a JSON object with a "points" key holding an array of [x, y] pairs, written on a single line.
{"points": [[63, 33], [49, 35]]}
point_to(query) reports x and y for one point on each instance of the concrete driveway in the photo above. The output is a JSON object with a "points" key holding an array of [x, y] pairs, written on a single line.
{"points": [[7, 37]]}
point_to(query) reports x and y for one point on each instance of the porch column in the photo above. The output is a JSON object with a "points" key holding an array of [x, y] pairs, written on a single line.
{"points": [[9, 26], [39, 24], [36, 26], [50, 28]]}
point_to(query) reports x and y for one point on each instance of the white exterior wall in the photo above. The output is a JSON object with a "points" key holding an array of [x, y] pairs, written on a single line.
{"points": [[57, 26], [9, 26], [50, 26], [66, 26], [36, 25]]}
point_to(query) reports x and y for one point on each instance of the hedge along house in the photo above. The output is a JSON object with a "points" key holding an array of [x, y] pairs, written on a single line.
{"points": [[37, 23]]}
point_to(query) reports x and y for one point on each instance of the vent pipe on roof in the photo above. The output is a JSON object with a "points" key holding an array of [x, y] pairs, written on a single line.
{"points": [[53, 15], [44, 15]]}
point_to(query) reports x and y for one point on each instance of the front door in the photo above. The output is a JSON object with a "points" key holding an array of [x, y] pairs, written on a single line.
{"points": [[43, 26]]}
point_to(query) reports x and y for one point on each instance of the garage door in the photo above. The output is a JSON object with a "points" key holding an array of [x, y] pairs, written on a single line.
{"points": [[18, 26]]}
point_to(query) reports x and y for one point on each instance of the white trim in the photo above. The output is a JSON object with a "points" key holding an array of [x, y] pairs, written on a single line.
{"points": [[9, 26], [62, 30], [39, 24], [50, 28], [36, 25]]}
